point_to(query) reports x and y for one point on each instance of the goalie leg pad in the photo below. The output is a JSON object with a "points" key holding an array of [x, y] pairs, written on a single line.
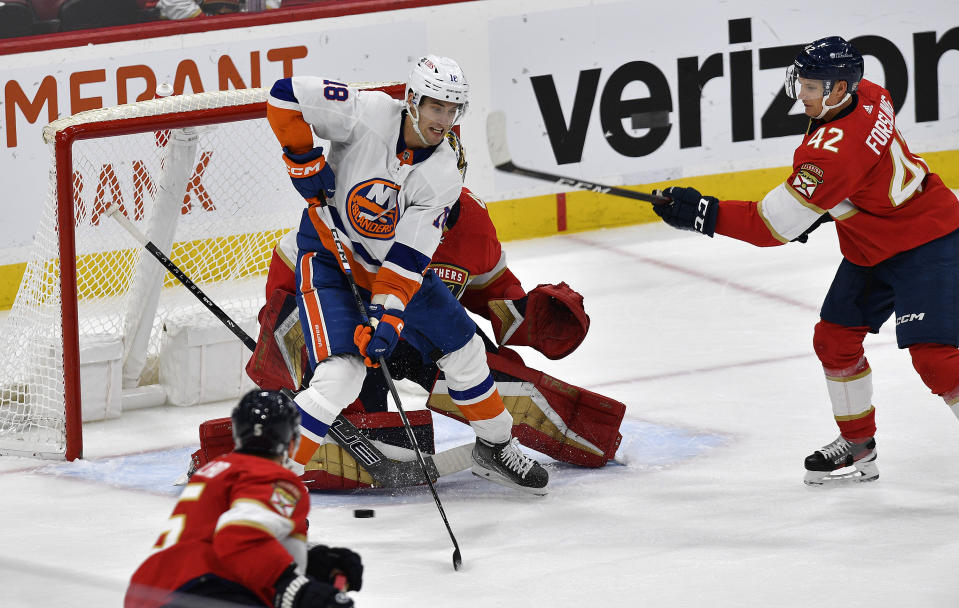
{"points": [[330, 467], [560, 420], [216, 439]]}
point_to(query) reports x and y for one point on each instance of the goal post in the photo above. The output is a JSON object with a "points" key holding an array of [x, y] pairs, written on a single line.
{"points": [[93, 325]]}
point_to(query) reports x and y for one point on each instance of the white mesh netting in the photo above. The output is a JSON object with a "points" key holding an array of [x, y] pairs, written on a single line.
{"points": [[223, 214]]}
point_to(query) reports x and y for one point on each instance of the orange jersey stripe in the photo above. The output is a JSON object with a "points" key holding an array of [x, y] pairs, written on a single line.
{"points": [[390, 283], [306, 450], [311, 302], [487, 409], [291, 130]]}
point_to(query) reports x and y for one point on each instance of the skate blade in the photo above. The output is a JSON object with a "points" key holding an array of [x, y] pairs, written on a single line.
{"points": [[859, 473], [495, 477]]}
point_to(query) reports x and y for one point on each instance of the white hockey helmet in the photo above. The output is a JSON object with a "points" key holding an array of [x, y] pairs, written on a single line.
{"points": [[440, 78]]}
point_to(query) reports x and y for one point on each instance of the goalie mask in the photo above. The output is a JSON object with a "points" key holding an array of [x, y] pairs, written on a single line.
{"points": [[826, 61], [439, 78], [265, 423]]}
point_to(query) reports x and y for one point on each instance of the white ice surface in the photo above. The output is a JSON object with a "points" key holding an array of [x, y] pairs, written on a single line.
{"points": [[708, 343]]}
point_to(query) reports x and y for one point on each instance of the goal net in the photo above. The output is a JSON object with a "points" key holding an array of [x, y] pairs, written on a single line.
{"points": [[202, 177]]}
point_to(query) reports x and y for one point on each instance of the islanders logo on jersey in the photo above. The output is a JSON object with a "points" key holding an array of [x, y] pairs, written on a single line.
{"points": [[373, 208], [807, 179]]}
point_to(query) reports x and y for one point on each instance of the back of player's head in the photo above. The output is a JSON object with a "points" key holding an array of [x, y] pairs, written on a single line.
{"points": [[829, 59], [264, 423], [440, 78]]}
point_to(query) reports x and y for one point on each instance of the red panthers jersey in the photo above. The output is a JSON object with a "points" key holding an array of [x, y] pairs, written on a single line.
{"points": [[858, 168], [241, 517], [470, 259]]}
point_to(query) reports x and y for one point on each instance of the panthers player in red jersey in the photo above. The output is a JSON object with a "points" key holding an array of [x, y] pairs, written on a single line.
{"points": [[237, 536], [898, 228]]}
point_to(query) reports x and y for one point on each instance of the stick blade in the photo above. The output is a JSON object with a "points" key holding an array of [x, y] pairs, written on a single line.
{"points": [[496, 138]]}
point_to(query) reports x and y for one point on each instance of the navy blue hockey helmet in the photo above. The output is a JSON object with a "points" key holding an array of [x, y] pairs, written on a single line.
{"points": [[828, 59], [264, 423]]}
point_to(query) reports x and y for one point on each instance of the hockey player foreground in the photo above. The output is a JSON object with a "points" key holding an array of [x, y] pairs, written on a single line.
{"points": [[898, 228], [558, 419], [237, 536]]}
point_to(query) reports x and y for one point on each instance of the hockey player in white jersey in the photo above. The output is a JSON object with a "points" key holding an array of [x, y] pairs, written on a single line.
{"points": [[395, 182]]}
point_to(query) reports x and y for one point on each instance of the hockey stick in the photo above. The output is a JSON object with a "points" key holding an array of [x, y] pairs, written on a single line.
{"points": [[384, 471], [499, 154], [361, 307]]}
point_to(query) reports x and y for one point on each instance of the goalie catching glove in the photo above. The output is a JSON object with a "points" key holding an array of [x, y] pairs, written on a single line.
{"points": [[550, 318], [688, 210], [311, 175], [380, 337]]}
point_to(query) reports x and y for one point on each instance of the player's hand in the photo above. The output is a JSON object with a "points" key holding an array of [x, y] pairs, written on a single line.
{"points": [[689, 210], [327, 564], [380, 337], [294, 591], [311, 175]]}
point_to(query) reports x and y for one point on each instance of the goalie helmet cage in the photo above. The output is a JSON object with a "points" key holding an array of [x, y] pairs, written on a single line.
{"points": [[202, 177]]}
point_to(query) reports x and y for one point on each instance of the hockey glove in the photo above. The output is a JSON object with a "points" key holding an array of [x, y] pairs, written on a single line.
{"points": [[689, 210], [311, 175], [380, 337], [295, 591], [325, 564]]}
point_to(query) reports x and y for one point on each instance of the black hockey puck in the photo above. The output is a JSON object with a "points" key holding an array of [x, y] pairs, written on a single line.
{"points": [[363, 513]]}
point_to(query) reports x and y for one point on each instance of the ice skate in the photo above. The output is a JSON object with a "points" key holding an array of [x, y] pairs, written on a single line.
{"points": [[505, 464], [842, 461]]}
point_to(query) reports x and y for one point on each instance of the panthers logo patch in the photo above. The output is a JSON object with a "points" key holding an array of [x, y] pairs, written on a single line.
{"points": [[373, 208], [454, 277], [807, 179]]}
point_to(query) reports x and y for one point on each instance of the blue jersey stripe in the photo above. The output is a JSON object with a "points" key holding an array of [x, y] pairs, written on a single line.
{"points": [[312, 424], [407, 258], [283, 89], [472, 393]]}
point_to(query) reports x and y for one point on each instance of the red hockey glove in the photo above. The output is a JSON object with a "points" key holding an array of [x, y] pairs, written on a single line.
{"points": [[380, 339], [311, 175], [689, 210]]}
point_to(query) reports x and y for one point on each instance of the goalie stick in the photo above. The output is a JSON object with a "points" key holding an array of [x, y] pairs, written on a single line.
{"points": [[499, 154], [386, 472]]}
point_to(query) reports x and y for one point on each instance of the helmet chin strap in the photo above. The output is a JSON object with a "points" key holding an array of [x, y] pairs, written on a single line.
{"points": [[825, 107], [415, 118]]}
